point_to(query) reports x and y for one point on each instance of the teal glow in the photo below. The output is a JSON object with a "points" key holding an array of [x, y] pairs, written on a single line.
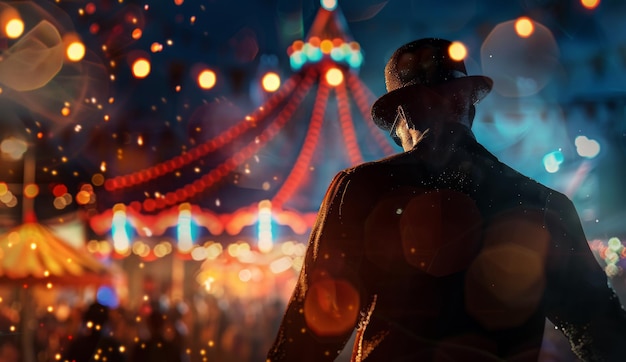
{"points": [[552, 161], [313, 53], [336, 54], [329, 5], [355, 60]]}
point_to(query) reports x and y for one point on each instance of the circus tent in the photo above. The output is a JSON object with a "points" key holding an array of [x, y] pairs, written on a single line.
{"points": [[278, 158]]}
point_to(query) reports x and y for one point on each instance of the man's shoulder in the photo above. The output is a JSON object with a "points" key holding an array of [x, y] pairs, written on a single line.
{"points": [[378, 165], [369, 172]]}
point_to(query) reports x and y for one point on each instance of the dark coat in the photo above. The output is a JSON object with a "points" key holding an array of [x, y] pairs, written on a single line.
{"points": [[445, 253]]}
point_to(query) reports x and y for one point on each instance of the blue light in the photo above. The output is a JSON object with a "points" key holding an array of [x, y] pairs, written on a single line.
{"points": [[120, 232], [266, 240], [107, 296], [297, 60], [355, 60], [552, 161], [337, 54], [184, 229], [329, 5], [313, 53]]}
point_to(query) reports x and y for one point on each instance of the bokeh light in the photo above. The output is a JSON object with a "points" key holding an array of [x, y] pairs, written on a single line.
{"points": [[141, 68], [14, 28], [507, 255], [329, 5], [586, 147], [331, 307], [75, 51], [334, 76], [457, 51], [156, 47], [83, 197], [590, 4], [137, 33], [524, 27], [207, 79], [107, 296], [59, 190], [90, 8], [504, 57], [552, 161], [31, 190], [13, 148], [270, 82]]}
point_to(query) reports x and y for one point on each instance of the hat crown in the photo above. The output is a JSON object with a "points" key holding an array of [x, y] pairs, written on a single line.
{"points": [[424, 61]]}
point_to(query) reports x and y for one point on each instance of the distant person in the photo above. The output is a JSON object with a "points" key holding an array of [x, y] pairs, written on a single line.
{"points": [[94, 341], [442, 252]]}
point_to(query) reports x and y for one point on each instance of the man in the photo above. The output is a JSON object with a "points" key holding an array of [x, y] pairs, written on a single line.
{"points": [[443, 253]]}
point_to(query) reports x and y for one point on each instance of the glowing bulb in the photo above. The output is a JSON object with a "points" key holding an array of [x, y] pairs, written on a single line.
{"points": [[136, 34], [83, 197], [457, 51], [334, 77], [156, 47], [75, 51], [524, 27], [329, 5], [270, 82], [141, 68], [31, 190], [590, 4], [326, 46], [14, 28], [207, 79]]}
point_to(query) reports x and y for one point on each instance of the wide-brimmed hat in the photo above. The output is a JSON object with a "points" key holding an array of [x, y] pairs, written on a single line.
{"points": [[425, 63]]}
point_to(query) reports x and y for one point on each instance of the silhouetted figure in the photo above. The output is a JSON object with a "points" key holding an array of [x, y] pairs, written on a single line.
{"points": [[94, 341], [442, 252]]}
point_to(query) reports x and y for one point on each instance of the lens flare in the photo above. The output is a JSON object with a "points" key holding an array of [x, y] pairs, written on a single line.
{"points": [[331, 307], [505, 282]]}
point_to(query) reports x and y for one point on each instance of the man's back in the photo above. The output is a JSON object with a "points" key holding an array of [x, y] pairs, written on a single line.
{"points": [[456, 250], [453, 256]]}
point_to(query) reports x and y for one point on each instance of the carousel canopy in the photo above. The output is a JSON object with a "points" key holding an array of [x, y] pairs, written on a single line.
{"points": [[32, 253]]}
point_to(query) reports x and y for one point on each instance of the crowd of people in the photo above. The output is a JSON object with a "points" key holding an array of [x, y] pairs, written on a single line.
{"points": [[204, 328]]}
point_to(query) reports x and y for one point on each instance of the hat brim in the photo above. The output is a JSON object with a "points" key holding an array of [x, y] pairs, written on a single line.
{"points": [[473, 87]]}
